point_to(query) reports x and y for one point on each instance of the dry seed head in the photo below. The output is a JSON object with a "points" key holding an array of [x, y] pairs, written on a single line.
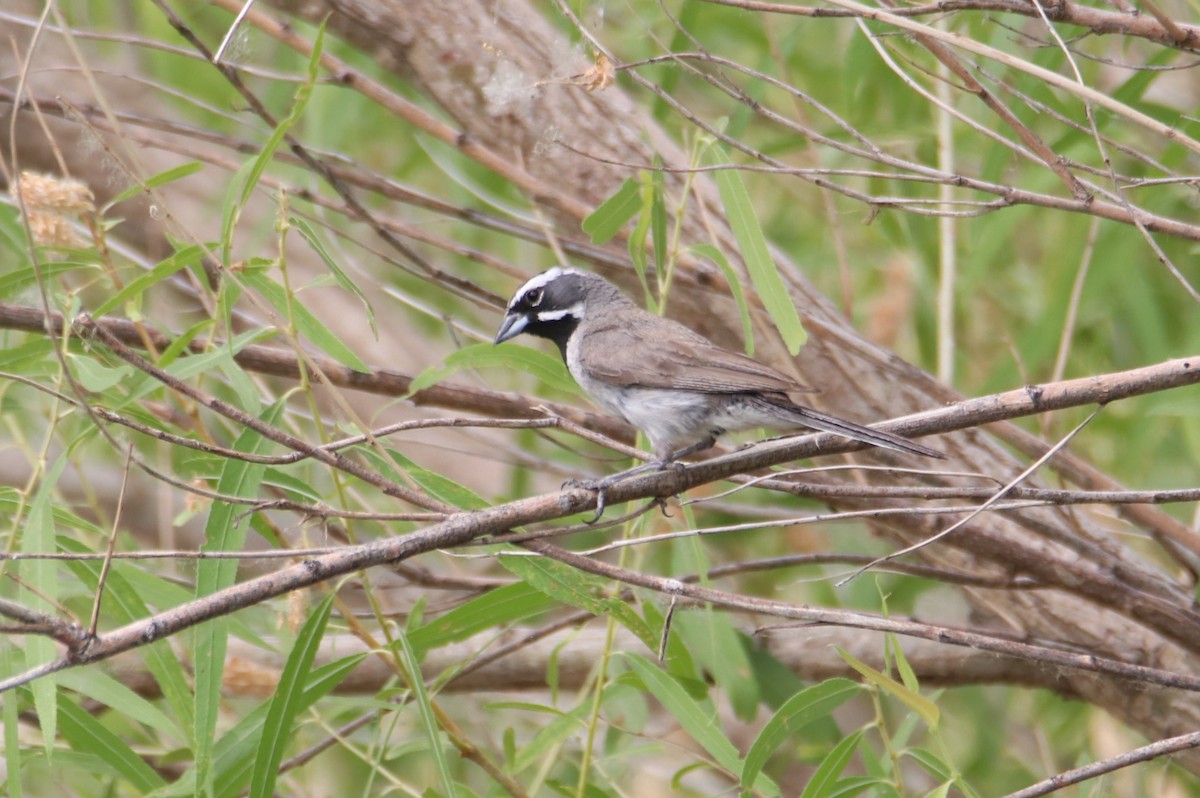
{"points": [[54, 194], [52, 230]]}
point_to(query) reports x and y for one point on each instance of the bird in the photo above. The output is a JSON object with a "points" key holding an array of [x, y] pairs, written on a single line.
{"points": [[680, 389]]}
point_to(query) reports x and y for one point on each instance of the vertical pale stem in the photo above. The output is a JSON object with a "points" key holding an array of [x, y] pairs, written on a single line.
{"points": [[947, 229]]}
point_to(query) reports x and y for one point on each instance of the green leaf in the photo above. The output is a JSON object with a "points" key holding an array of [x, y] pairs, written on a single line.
{"points": [[918, 703], [757, 255], [87, 735], [435, 484], [10, 663], [314, 241], [429, 721], [658, 221], [299, 100], [931, 762], [18, 280], [604, 222], [39, 590], [547, 368], [307, 324], [825, 778], [578, 589], [95, 376], [636, 245], [234, 753], [125, 602], [718, 649], [161, 271], [277, 728], [493, 609], [803, 708], [699, 722], [735, 286], [222, 533], [551, 735], [907, 675], [160, 179], [101, 687], [298, 488]]}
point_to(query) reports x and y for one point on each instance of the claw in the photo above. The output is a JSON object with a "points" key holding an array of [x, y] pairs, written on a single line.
{"points": [[600, 502], [598, 486]]}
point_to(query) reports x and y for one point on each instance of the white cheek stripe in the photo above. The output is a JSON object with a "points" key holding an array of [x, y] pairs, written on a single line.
{"points": [[575, 311], [540, 281]]}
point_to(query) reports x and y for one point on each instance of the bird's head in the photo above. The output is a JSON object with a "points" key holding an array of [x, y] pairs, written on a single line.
{"points": [[552, 304]]}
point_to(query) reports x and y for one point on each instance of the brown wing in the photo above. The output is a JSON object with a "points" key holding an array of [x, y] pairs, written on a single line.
{"points": [[660, 353]]}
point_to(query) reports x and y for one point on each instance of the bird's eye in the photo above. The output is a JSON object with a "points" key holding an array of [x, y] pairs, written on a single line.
{"points": [[534, 296]]}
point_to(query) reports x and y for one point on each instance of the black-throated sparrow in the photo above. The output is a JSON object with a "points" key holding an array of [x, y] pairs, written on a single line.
{"points": [[673, 384]]}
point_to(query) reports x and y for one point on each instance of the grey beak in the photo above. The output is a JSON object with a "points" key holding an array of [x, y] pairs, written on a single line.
{"points": [[513, 325]]}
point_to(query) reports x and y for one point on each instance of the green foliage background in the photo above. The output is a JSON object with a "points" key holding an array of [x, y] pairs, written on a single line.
{"points": [[891, 736]]}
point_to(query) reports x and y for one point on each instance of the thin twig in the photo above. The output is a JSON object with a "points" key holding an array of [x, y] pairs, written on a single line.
{"points": [[1078, 775], [987, 505], [112, 541]]}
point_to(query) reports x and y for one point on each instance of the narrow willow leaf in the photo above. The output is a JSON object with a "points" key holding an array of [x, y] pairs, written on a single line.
{"points": [[824, 779], [907, 675], [235, 752], [86, 734], [438, 486], [160, 179], [95, 376], [718, 650], [143, 282], [931, 762], [550, 736], [106, 690], [658, 220], [636, 245], [299, 100], [918, 703], [222, 533], [307, 324], [699, 722], [493, 609], [18, 280], [433, 731], [803, 708], [281, 713], [577, 589], [247, 177], [39, 590], [314, 241], [604, 222], [547, 368], [10, 663], [125, 602], [735, 286], [768, 284]]}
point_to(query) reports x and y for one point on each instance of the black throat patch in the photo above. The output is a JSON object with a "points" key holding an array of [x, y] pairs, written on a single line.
{"points": [[557, 330]]}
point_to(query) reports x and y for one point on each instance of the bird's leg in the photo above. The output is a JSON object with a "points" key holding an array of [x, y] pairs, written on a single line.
{"points": [[688, 451], [600, 486]]}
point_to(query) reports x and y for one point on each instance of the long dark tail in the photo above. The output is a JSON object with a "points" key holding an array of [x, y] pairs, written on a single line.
{"points": [[848, 429]]}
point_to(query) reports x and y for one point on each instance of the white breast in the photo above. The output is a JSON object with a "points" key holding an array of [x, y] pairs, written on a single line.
{"points": [[671, 419]]}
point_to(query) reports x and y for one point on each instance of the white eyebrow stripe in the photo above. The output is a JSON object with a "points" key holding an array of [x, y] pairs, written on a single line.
{"points": [[540, 281], [575, 310]]}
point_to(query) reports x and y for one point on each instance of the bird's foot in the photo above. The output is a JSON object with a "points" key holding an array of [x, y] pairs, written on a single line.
{"points": [[601, 486]]}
